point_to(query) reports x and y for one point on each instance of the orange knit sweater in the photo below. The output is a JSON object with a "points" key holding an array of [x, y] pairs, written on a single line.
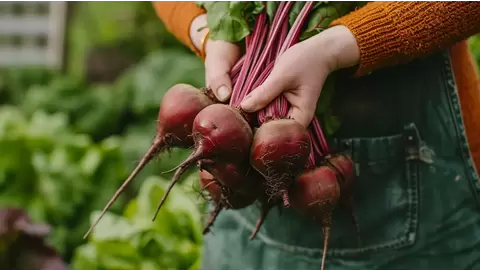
{"points": [[390, 33]]}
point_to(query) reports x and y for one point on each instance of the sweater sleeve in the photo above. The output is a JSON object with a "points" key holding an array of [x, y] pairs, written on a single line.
{"points": [[177, 17], [392, 33]]}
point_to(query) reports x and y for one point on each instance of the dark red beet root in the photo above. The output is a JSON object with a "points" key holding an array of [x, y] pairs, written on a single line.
{"points": [[208, 183], [316, 193], [280, 152], [344, 165], [178, 109], [219, 194], [223, 198], [220, 132], [240, 177], [345, 168]]}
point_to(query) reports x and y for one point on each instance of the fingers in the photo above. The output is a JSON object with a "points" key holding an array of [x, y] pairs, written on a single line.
{"points": [[221, 56], [303, 115], [265, 93], [303, 99]]}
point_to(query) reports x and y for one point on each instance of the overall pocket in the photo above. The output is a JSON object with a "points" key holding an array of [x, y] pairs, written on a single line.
{"points": [[386, 203]]}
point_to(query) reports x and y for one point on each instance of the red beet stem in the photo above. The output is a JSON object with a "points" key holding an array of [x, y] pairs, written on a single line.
{"points": [[316, 148], [251, 78], [279, 107], [236, 70], [311, 159], [283, 36], [295, 31], [318, 132], [257, 31], [255, 70]]}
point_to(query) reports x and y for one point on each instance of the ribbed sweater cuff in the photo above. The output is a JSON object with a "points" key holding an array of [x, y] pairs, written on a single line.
{"points": [[374, 31], [177, 18], [392, 33]]}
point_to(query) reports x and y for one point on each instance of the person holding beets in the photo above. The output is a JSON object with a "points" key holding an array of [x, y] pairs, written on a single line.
{"points": [[410, 120]]}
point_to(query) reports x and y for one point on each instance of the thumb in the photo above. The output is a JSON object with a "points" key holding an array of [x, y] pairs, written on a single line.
{"points": [[220, 83], [265, 93], [221, 56]]}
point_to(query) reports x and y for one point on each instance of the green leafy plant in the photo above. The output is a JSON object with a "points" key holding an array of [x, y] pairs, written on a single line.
{"points": [[233, 21], [56, 175], [133, 241], [67, 145]]}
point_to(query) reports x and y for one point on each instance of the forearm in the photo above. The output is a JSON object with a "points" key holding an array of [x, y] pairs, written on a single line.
{"points": [[182, 19], [392, 33]]}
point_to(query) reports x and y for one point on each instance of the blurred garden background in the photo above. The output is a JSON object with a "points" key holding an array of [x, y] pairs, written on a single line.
{"points": [[69, 135]]}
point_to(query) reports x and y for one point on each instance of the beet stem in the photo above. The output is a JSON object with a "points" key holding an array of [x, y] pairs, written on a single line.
{"points": [[213, 216], [255, 70], [320, 136], [249, 58], [296, 28], [157, 146], [279, 107]]}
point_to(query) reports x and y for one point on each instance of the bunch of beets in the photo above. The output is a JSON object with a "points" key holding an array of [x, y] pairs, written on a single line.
{"points": [[266, 156]]}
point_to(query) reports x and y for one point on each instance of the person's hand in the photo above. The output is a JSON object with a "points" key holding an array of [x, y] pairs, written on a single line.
{"points": [[220, 57], [300, 72]]}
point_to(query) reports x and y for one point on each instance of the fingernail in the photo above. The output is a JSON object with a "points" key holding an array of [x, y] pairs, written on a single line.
{"points": [[247, 104], [223, 93]]}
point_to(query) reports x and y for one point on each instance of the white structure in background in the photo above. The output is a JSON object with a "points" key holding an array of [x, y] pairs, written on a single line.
{"points": [[32, 33]]}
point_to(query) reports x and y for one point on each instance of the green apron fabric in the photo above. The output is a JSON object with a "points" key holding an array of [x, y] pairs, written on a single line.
{"points": [[417, 194]]}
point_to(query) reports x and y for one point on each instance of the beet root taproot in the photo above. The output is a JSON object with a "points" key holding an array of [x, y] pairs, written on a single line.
{"points": [[178, 109], [220, 132], [209, 184], [316, 194], [221, 194], [280, 152], [223, 197], [345, 169], [245, 181], [265, 207], [239, 176]]}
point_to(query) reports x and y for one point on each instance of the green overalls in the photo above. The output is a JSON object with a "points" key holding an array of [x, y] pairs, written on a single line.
{"points": [[417, 194]]}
